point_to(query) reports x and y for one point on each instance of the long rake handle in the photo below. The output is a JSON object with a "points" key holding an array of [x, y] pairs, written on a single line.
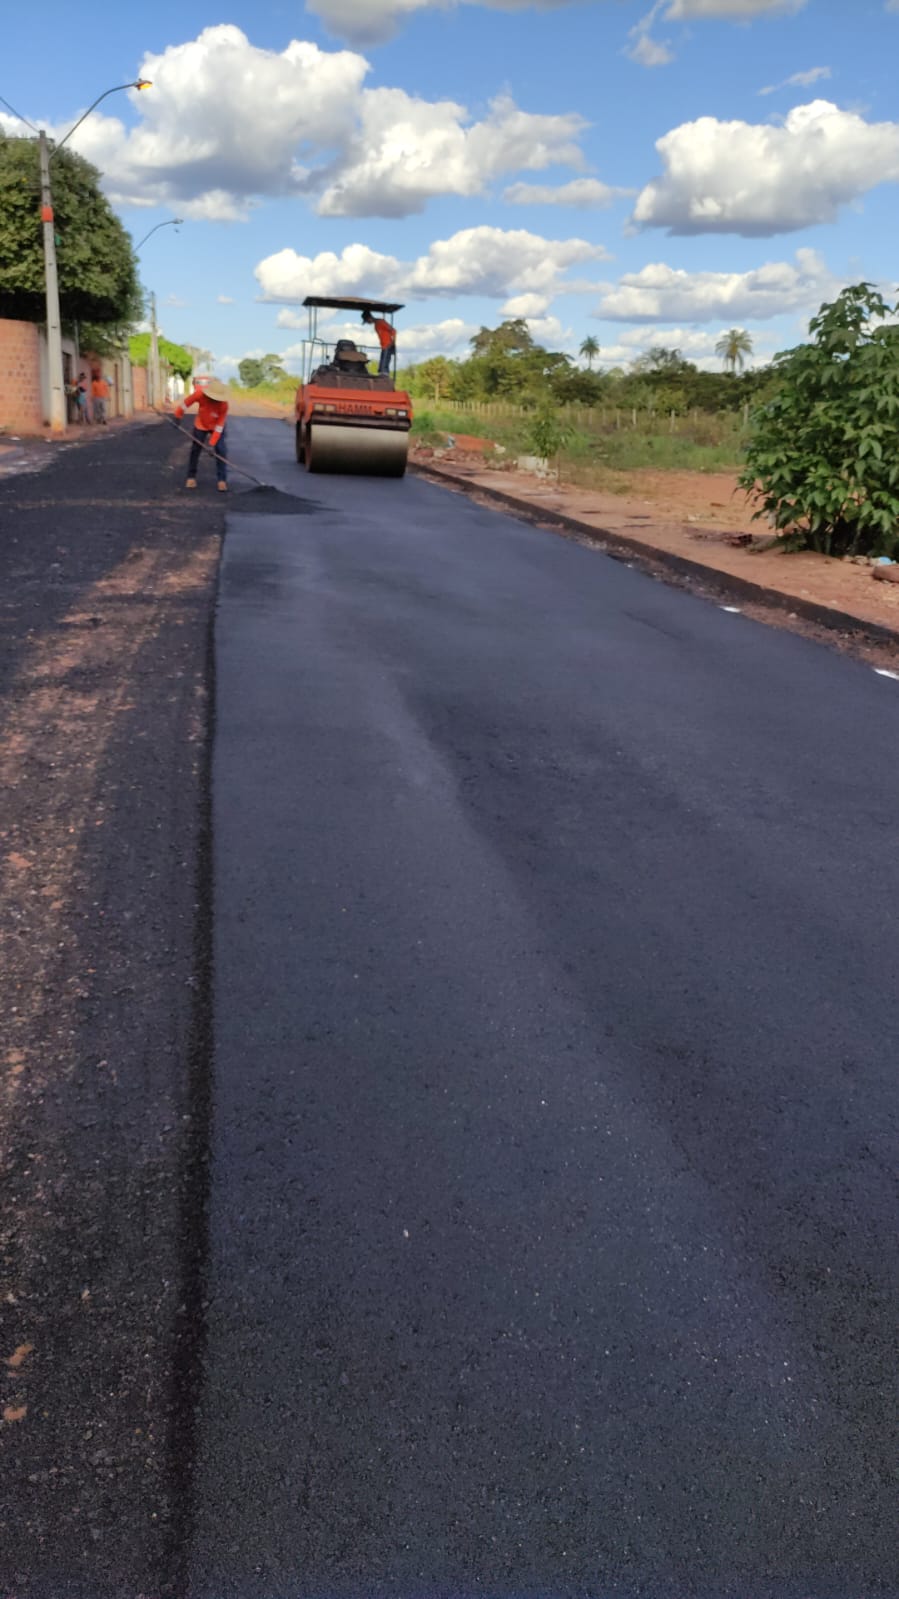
{"points": [[188, 434]]}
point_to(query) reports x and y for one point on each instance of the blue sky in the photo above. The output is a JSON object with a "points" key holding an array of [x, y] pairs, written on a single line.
{"points": [[424, 151]]}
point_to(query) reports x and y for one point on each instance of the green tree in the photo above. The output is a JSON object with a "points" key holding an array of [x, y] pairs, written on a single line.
{"points": [[733, 347], [661, 361], [589, 350], [272, 370], [98, 281], [436, 375], [510, 338], [548, 435], [250, 372], [177, 356], [822, 452]]}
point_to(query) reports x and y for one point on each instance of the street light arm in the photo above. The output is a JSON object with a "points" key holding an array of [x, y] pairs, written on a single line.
{"points": [[170, 222], [139, 83]]}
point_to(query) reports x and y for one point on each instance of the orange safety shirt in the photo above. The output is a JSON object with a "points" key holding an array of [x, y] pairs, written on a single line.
{"points": [[386, 333], [211, 415], [100, 389]]}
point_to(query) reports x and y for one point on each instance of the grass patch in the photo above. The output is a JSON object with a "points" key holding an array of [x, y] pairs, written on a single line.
{"points": [[704, 443]]}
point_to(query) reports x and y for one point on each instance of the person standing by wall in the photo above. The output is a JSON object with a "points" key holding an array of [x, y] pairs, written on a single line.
{"points": [[100, 397], [386, 338], [209, 427], [82, 399]]}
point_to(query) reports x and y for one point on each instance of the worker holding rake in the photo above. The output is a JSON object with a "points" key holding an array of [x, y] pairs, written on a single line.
{"points": [[209, 428]]}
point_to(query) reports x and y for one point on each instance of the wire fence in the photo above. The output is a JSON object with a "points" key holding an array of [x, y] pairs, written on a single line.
{"points": [[588, 418]]}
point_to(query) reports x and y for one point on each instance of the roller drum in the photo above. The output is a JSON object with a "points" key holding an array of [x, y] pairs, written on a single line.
{"points": [[369, 452]]}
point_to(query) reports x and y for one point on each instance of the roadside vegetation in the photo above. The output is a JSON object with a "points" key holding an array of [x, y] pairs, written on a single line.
{"points": [[661, 412], [822, 452], [179, 358]]}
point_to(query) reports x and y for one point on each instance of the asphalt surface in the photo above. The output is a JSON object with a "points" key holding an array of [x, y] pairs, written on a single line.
{"points": [[552, 1215], [107, 582]]}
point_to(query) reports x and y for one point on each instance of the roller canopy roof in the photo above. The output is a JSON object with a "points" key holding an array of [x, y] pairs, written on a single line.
{"points": [[349, 303]]}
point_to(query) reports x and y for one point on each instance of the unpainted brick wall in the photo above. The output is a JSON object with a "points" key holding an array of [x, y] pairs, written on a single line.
{"points": [[21, 406], [139, 387]]}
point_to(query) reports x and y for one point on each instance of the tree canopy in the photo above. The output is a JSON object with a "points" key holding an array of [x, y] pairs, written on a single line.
{"points": [[589, 349], [506, 363], [177, 356], [97, 268], [253, 371], [733, 347]]}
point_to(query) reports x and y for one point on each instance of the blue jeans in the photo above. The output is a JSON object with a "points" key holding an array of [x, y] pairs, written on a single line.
{"points": [[386, 358], [201, 436]]}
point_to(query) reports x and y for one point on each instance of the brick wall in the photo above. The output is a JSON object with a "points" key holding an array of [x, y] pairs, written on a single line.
{"points": [[139, 387], [21, 405]]}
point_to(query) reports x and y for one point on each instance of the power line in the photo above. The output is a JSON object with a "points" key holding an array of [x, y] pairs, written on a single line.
{"points": [[18, 115]]}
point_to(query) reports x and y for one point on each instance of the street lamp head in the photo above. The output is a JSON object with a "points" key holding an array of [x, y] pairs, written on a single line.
{"points": [[142, 83]]}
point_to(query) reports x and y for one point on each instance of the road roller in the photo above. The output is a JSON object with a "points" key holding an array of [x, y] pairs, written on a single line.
{"points": [[348, 419]]}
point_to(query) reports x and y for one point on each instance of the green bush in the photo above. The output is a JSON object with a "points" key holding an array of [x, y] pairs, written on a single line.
{"points": [[548, 433], [822, 452]]}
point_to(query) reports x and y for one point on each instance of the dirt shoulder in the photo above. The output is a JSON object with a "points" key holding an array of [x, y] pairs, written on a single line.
{"points": [[690, 517], [107, 577]]}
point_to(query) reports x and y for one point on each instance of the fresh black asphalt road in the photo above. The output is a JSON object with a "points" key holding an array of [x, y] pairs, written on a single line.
{"points": [[552, 1211]]}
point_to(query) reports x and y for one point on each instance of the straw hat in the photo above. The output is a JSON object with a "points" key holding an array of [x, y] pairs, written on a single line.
{"points": [[213, 388]]}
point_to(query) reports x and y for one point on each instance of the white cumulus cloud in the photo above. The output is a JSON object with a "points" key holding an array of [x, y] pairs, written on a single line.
{"points": [[491, 261], [526, 305], [405, 150], [758, 179], [662, 293], [227, 123], [286, 275]]}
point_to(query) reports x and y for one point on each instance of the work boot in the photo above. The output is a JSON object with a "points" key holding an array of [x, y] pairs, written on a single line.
{"points": [[191, 483], [223, 488]]}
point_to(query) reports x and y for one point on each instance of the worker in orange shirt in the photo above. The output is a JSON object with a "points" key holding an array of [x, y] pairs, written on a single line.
{"points": [[99, 396], [209, 428], [386, 338]]}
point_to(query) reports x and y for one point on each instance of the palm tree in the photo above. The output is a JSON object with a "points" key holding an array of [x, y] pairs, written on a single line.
{"points": [[590, 350], [733, 347]]}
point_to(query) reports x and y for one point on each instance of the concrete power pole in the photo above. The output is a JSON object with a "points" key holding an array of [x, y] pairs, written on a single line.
{"points": [[54, 331], [153, 373]]}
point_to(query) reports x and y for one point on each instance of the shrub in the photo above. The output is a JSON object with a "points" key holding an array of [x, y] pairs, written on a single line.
{"points": [[548, 434], [822, 452]]}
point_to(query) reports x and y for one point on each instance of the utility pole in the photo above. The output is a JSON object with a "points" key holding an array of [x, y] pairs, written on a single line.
{"points": [[54, 331], [154, 354]]}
